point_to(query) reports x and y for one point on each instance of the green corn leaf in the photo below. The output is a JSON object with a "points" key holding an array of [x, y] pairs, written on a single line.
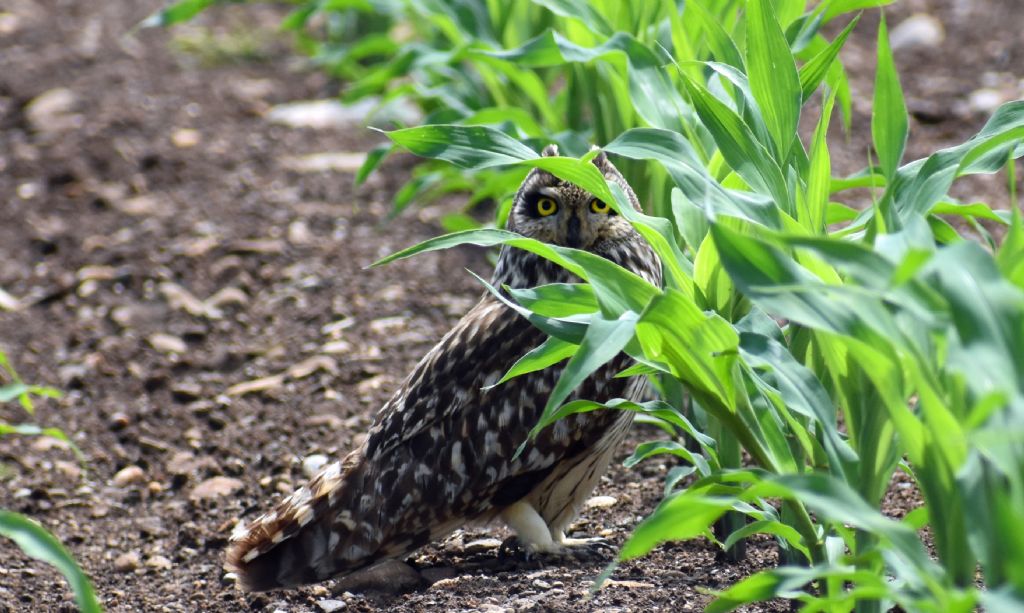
{"points": [[773, 76], [550, 352], [710, 278], [678, 158], [372, 161], [766, 526], [813, 72], [838, 7], [889, 124], [580, 10], [700, 348], [738, 146], [681, 517], [800, 389], [646, 450], [812, 216], [178, 12], [557, 299], [722, 46], [603, 340], [473, 147], [617, 289], [38, 543]]}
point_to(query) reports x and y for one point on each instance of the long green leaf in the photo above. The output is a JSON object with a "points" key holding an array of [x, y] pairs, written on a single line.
{"points": [[773, 76], [38, 543], [889, 124]]}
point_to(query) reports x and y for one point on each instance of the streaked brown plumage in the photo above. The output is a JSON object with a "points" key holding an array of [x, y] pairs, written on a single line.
{"points": [[440, 452]]}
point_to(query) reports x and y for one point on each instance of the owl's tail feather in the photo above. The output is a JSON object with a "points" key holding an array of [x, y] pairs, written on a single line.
{"points": [[308, 537]]}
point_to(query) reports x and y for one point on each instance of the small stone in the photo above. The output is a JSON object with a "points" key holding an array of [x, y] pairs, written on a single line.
{"points": [[331, 161], [312, 464], [481, 546], [226, 296], [128, 476], [128, 561], [186, 391], [298, 233], [330, 605], [167, 343], [256, 385], [540, 584], [601, 502], [145, 205], [215, 487], [68, 469], [154, 488], [311, 365], [9, 302], [985, 101], [628, 584], [918, 30], [183, 138], [159, 562], [320, 114], [52, 110], [229, 578]]}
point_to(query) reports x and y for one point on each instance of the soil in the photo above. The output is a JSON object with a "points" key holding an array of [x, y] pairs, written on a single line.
{"points": [[163, 252]]}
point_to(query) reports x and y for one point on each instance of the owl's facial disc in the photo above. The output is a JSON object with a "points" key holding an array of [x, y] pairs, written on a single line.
{"points": [[562, 213]]}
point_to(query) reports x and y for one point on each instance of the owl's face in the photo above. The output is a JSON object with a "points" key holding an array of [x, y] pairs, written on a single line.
{"points": [[551, 210]]}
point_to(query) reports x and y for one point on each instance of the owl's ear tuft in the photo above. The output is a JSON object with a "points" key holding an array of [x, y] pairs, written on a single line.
{"points": [[601, 159], [550, 151]]}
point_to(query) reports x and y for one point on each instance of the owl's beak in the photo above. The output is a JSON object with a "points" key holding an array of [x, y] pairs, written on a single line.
{"points": [[572, 235]]}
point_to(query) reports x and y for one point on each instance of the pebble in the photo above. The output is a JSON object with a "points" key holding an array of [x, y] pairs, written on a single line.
{"points": [[167, 343], [330, 605], [127, 561], [311, 365], [918, 30], [312, 464], [601, 502], [329, 161], [215, 487], [51, 111], [159, 562], [320, 114], [985, 100], [481, 546], [128, 476], [183, 138]]}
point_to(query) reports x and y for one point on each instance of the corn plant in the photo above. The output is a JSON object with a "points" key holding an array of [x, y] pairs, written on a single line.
{"points": [[897, 351], [833, 345], [32, 538], [571, 72]]}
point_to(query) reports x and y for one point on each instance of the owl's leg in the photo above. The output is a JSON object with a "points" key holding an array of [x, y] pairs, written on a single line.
{"points": [[538, 539], [531, 529]]}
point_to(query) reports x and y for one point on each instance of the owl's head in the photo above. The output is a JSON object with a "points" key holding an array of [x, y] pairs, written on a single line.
{"points": [[551, 210]]}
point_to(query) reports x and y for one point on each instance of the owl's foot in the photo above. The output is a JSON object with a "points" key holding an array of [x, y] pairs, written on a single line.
{"points": [[536, 541], [567, 550]]}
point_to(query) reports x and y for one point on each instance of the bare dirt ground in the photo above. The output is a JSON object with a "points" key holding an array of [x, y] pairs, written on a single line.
{"points": [[163, 253]]}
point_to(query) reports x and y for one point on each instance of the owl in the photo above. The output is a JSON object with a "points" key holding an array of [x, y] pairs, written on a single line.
{"points": [[441, 452]]}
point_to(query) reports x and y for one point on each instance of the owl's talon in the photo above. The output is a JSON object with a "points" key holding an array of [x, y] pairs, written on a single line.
{"points": [[593, 549], [512, 548]]}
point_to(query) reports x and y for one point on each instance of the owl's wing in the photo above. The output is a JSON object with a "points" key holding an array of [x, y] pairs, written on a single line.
{"points": [[450, 378], [442, 450]]}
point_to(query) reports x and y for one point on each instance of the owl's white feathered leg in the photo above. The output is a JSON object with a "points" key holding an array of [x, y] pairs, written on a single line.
{"points": [[536, 538], [533, 532]]}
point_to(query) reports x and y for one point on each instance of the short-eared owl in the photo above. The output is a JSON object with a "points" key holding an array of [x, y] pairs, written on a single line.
{"points": [[441, 452]]}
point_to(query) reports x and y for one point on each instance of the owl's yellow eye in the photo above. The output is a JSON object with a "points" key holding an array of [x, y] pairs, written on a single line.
{"points": [[546, 206], [600, 207]]}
